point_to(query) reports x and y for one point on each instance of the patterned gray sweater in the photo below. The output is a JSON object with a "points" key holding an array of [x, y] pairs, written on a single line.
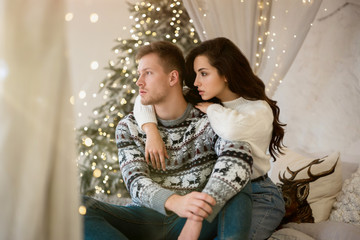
{"points": [[199, 160]]}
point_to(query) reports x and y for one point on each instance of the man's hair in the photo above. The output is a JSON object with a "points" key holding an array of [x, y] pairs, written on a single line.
{"points": [[171, 57]]}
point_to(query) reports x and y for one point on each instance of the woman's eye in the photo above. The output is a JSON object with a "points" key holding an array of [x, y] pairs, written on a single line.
{"points": [[148, 73], [203, 74]]}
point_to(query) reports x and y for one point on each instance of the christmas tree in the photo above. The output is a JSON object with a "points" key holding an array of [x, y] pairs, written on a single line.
{"points": [[154, 20]]}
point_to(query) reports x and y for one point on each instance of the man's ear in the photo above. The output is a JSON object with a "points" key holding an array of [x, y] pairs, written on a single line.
{"points": [[174, 77]]}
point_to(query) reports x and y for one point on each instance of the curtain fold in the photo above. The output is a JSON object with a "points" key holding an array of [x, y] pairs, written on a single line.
{"points": [[268, 32], [38, 174]]}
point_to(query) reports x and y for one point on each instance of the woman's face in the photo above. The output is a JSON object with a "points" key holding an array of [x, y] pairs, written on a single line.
{"points": [[208, 81]]}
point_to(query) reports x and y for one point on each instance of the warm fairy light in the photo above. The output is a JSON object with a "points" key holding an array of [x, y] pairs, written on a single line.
{"points": [[94, 65], [88, 142], [72, 100], [97, 173], [94, 17], [69, 16], [82, 210], [82, 94], [123, 101]]}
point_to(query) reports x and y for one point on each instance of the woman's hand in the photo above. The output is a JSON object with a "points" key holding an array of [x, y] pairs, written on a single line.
{"points": [[191, 230], [155, 150], [203, 106]]}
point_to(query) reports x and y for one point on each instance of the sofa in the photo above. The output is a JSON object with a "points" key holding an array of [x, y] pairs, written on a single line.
{"points": [[328, 186], [322, 195]]}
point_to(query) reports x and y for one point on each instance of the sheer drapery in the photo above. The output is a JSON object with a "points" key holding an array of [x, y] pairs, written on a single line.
{"points": [[38, 175], [268, 32]]}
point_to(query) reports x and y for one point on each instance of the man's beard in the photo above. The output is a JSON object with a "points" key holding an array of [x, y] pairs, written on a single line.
{"points": [[153, 100]]}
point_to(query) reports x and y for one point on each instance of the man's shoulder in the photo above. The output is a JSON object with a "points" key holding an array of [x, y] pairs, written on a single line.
{"points": [[197, 114], [200, 123], [128, 117], [127, 120], [198, 118]]}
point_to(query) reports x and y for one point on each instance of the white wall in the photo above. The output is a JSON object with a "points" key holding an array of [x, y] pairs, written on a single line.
{"points": [[320, 95]]}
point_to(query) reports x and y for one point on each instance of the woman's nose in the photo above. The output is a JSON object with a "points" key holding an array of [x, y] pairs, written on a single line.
{"points": [[196, 82]]}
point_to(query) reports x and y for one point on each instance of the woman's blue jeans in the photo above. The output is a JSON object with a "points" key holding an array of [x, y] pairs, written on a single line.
{"points": [[108, 221], [268, 209]]}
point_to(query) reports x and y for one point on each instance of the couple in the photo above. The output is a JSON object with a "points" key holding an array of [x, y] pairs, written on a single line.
{"points": [[213, 182]]}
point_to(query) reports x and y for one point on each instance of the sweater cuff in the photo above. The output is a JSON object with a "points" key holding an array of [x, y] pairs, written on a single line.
{"points": [[159, 200], [216, 209], [144, 113], [213, 109]]}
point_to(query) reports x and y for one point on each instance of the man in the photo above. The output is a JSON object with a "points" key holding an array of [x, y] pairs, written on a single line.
{"points": [[203, 171]]}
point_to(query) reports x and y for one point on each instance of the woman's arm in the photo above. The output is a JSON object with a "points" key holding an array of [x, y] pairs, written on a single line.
{"points": [[144, 113], [242, 124], [154, 147]]}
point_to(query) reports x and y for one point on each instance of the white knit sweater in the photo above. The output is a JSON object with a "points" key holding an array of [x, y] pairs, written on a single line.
{"points": [[240, 119]]}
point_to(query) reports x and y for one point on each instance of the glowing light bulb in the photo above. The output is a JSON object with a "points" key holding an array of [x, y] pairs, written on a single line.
{"points": [[72, 100], [94, 65], [97, 173], [69, 17], [94, 17], [88, 142], [82, 94], [82, 210]]}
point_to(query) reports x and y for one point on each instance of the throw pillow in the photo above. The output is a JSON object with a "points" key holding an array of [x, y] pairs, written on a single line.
{"points": [[347, 206], [309, 185]]}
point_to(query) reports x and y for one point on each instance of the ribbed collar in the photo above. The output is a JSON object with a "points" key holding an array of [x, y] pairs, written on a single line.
{"points": [[234, 103], [168, 123]]}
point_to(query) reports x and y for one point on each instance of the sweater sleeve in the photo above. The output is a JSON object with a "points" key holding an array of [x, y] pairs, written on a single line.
{"points": [[144, 113], [251, 122], [230, 174], [143, 190]]}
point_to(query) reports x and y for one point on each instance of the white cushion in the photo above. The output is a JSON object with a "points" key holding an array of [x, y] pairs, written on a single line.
{"points": [[323, 191], [347, 206]]}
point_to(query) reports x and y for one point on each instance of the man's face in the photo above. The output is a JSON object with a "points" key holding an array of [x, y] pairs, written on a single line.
{"points": [[153, 82]]}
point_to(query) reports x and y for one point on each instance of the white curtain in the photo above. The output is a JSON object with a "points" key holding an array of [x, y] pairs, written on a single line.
{"points": [[38, 175], [268, 32]]}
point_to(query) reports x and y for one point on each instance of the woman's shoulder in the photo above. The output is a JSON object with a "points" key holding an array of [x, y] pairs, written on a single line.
{"points": [[260, 106]]}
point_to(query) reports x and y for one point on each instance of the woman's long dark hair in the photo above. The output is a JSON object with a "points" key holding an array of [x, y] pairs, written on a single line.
{"points": [[229, 61]]}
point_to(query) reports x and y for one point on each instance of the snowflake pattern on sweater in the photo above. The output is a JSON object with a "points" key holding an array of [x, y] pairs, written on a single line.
{"points": [[199, 160]]}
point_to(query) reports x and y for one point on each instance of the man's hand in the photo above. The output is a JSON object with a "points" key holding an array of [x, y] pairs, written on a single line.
{"points": [[155, 147], [195, 205], [191, 230], [203, 106]]}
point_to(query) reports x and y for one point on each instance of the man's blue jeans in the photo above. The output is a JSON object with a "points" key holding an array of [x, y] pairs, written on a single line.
{"points": [[107, 221]]}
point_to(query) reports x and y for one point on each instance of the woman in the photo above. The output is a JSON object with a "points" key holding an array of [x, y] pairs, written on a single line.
{"points": [[218, 71]]}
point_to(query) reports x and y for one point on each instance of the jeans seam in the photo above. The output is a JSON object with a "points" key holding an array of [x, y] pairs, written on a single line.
{"points": [[222, 227]]}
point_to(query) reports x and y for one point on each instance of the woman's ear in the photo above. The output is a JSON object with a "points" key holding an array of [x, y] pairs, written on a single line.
{"points": [[174, 77]]}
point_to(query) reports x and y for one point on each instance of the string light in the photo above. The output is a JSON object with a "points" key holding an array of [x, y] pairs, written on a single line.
{"points": [[82, 210], [69, 16], [72, 100], [94, 17], [94, 65]]}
